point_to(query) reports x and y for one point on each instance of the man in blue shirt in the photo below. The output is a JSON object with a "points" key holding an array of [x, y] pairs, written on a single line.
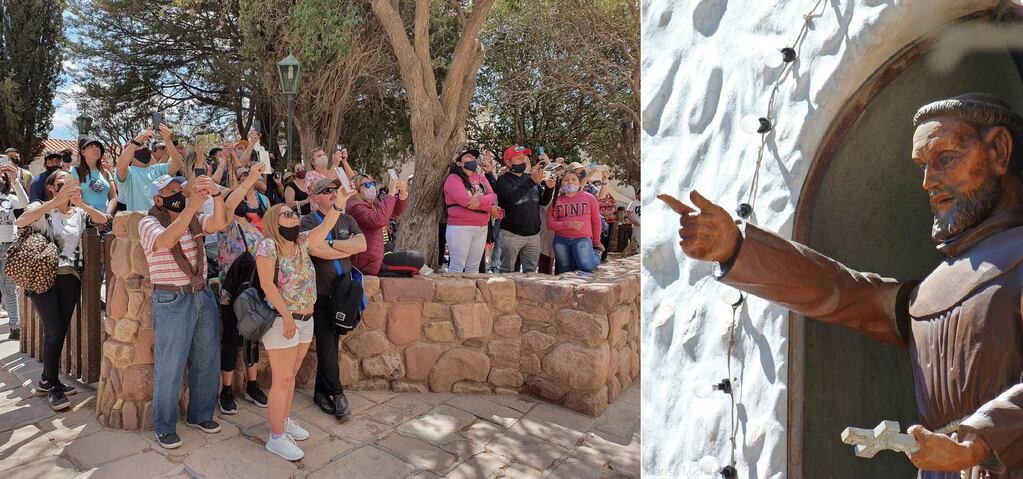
{"points": [[135, 173], [53, 161]]}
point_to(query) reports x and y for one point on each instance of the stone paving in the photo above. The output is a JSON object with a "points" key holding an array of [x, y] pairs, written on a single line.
{"points": [[390, 435]]}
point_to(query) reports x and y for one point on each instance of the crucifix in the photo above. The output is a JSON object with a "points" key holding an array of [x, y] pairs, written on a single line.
{"points": [[886, 435]]}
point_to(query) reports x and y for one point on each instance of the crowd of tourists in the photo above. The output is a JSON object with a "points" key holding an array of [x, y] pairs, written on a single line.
{"points": [[241, 258]]}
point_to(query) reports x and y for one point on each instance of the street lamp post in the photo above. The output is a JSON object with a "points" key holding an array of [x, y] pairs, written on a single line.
{"points": [[84, 124], [290, 71]]}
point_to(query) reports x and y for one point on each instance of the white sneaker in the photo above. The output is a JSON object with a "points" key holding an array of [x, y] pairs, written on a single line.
{"points": [[291, 427], [285, 447]]}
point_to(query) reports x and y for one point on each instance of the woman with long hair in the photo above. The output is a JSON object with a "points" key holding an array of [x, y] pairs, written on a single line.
{"points": [[470, 203], [373, 214], [93, 179], [574, 217], [288, 279], [240, 237], [62, 218]]}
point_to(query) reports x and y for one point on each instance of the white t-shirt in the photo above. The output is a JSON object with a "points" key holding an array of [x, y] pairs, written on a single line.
{"points": [[65, 230]]}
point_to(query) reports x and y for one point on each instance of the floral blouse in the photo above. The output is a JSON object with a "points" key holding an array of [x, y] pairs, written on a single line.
{"points": [[232, 244], [296, 278]]}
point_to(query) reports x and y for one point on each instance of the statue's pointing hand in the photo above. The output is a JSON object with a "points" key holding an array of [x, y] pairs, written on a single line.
{"points": [[939, 452], [708, 232]]}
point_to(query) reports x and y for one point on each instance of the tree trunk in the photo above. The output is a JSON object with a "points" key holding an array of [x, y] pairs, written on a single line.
{"points": [[420, 222]]}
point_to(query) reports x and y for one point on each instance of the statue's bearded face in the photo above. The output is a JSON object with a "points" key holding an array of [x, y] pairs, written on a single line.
{"points": [[960, 174]]}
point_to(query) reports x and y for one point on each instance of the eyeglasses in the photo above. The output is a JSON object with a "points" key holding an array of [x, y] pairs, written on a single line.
{"points": [[289, 214], [327, 191]]}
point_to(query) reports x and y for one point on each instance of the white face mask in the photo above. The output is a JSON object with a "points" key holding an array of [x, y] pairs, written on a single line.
{"points": [[320, 161], [369, 192]]}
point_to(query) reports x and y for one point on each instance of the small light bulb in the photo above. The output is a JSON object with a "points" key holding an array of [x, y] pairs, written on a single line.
{"points": [[732, 297], [709, 464], [703, 390]]}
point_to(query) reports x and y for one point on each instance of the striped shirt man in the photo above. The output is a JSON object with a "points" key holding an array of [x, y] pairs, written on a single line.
{"points": [[162, 268]]}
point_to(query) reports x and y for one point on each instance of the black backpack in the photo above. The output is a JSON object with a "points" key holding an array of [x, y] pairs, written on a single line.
{"points": [[347, 299]]}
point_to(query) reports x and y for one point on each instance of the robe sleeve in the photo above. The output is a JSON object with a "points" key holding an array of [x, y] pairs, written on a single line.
{"points": [[999, 423], [809, 283]]}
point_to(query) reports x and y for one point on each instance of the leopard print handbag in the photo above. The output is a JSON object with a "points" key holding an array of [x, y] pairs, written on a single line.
{"points": [[32, 261]]}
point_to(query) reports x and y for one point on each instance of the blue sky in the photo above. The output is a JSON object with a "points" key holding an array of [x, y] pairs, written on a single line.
{"points": [[65, 109]]}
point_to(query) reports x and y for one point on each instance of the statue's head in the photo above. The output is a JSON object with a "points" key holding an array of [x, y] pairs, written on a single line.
{"points": [[968, 148]]}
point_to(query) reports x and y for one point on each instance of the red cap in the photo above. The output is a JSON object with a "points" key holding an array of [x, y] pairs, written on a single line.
{"points": [[516, 150]]}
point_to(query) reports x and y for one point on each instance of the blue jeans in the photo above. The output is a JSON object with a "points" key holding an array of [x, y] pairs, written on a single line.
{"points": [[572, 254], [9, 290], [187, 330]]}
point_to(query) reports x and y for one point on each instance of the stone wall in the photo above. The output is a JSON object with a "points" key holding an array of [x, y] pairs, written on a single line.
{"points": [[570, 340]]}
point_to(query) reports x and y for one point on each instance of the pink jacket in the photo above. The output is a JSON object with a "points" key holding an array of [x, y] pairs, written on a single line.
{"points": [[583, 208], [372, 220], [456, 199]]}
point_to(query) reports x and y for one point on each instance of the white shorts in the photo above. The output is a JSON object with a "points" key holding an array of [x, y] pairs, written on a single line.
{"points": [[274, 337]]}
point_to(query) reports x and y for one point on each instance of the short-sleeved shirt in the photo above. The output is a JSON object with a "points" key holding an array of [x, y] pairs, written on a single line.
{"points": [[345, 228], [162, 267], [232, 243], [136, 185], [296, 278], [65, 230], [95, 189]]}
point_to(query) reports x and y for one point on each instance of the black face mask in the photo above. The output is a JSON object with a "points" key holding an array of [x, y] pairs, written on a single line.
{"points": [[289, 233], [51, 169], [519, 168], [242, 209], [175, 202]]}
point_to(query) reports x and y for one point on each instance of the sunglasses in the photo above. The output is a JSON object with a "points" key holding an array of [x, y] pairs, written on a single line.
{"points": [[368, 184], [289, 214], [327, 191]]}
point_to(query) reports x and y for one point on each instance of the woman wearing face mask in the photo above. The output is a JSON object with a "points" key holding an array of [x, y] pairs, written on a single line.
{"points": [[240, 237], [574, 217], [373, 215], [296, 194], [321, 168], [287, 277], [62, 218], [470, 202]]}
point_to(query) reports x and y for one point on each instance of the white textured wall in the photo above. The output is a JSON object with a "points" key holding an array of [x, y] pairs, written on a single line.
{"points": [[701, 75]]}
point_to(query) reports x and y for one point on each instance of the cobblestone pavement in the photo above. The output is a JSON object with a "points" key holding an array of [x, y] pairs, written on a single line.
{"points": [[389, 435]]}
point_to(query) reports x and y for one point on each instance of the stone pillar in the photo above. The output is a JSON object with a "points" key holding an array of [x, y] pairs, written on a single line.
{"points": [[125, 391]]}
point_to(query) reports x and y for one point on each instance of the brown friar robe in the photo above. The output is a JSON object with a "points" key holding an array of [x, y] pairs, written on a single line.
{"points": [[961, 325]]}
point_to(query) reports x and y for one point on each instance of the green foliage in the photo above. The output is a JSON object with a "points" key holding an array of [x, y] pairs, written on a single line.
{"points": [[31, 42], [324, 28]]}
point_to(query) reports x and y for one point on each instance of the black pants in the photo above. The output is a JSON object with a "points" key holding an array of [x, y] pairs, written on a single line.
{"points": [[55, 307], [230, 341], [328, 375], [442, 239], [606, 241]]}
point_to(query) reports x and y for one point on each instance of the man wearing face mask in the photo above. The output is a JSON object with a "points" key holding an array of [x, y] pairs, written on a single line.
{"points": [[520, 193], [53, 161], [136, 170], [186, 321]]}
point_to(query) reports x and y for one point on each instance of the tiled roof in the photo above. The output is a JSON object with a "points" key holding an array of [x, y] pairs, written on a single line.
{"points": [[56, 144]]}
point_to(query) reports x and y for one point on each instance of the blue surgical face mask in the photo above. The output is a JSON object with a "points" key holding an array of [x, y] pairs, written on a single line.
{"points": [[470, 165], [569, 188]]}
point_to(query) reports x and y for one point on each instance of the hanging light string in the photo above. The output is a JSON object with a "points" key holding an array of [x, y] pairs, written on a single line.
{"points": [[729, 385], [766, 123]]}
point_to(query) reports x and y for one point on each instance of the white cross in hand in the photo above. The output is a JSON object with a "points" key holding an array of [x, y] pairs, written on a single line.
{"points": [[886, 435]]}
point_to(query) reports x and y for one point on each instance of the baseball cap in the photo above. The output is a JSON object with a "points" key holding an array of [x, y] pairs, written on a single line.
{"points": [[89, 140], [10, 150], [53, 154], [474, 153], [515, 150], [162, 182], [322, 184]]}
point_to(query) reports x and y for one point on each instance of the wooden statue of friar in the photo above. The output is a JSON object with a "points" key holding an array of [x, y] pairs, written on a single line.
{"points": [[961, 325]]}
